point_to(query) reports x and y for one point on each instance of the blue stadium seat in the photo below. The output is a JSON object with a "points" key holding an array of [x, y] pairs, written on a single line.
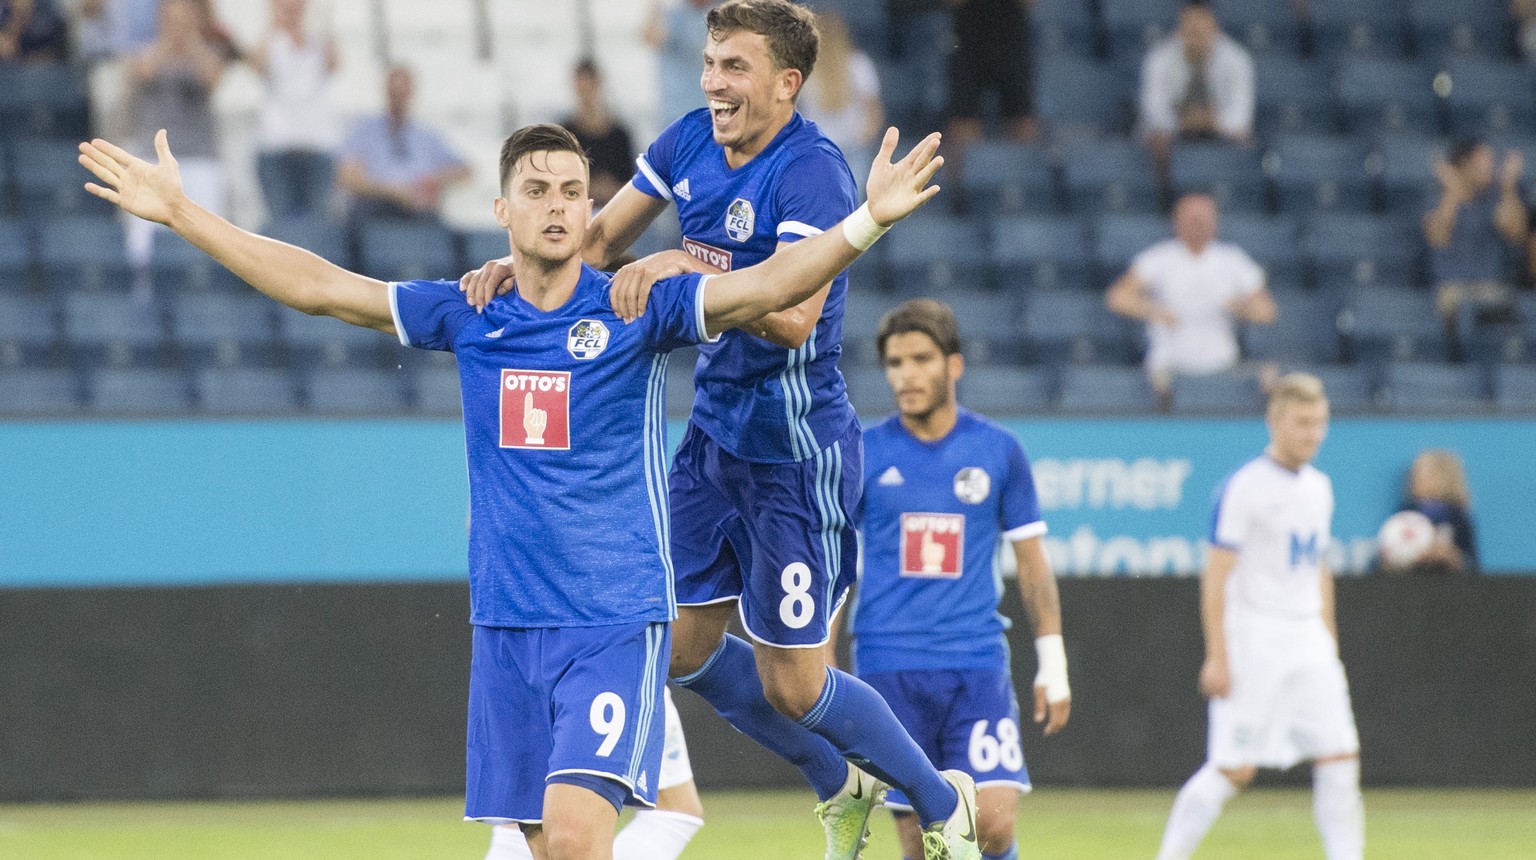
{"points": [[43, 99], [138, 391], [1073, 96], [1006, 391], [331, 342], [1133, 26], [1271, 240], [324, 236], [481, 246], [1358, 27], [1494, 97], [28, 332], [1235, 392], [1095, 389], [1063, 27], [1407, 175], [245, 391], [1037, 252], [1229, 173], [1264, 26], [1074, 326], [1363, 249], [224, 328], [27, 391], [862, 310], [16, 254], [1393, 323], [1320, 172], [406, 251], [1351, 389], [680, 394], [353, 391], [1474, 27], [869, 392], [1514, 388], [177, 266], [1434, 387], [1293, 95], [83, 252], [1121, 237], [1112, 176], [1001, 176], [988, 324], [1305, 330], [112, 326], [50, 181], [938, 253], [1387, 95]]}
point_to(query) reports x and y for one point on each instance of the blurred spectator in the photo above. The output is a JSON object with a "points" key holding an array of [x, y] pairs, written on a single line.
{"points": [[843, 96], [1525, 19], [676, 31], [606, 140], [297, 136], [1190, 290], [1197, 84], [32, 31], [112, 28], [393, 166], [1437, 488], [921, 38], [1470, 229], [170, 86], [992, 54]]}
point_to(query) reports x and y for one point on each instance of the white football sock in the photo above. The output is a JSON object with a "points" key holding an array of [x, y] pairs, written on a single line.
{"points": [[507, 843], [1338, 808], [1194, 811], [655, 834]]}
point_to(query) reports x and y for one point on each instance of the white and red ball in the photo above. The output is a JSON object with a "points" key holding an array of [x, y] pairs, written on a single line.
{"points": [[1405, 537]]}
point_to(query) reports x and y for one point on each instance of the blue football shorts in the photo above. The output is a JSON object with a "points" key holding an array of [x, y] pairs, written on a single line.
{"points": [[964, 719], [572, 700], [779, 536]]}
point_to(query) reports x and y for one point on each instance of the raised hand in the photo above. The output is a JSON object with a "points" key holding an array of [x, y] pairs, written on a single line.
{"points": [[150, 191], [896, 190]]}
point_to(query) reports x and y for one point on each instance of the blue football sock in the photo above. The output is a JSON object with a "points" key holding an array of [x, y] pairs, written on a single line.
{"points": [[859, 723], [1011, 854], [728, 681]]}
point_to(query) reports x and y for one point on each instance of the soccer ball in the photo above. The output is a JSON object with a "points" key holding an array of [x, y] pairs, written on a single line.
{"points": [[1405, 537]]}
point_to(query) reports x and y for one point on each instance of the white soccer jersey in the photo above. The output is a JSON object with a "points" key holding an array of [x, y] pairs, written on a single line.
{"points": [[1278, 522]]}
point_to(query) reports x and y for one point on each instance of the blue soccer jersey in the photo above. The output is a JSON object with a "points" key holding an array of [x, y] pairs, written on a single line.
{"points": [[933, 515], [565, 431], [761, 402]]}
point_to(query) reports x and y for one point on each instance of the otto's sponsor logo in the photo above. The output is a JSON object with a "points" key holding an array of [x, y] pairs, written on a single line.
{"points": [[536, 409], [973, 485], [932, 545], [716, 257], [739, 220], [587, 339]]}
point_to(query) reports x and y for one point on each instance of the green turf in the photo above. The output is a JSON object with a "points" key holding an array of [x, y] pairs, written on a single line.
{"points": [[1060, 824]]}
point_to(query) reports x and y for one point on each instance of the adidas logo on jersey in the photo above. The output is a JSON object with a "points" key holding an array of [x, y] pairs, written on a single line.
{"points": [[891, 478], [681, 190]]}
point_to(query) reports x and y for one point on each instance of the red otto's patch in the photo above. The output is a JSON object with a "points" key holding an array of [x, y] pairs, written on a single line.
{"points": [[716, 257], [932, 545], [536, 409]]}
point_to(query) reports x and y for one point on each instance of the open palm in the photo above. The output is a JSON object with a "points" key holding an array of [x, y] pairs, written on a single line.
{"points": [[149, 191], [897, 189]]}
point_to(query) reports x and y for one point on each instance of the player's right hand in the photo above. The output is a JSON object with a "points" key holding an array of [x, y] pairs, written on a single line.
{"points": [[150, 191], [487, 282], [1215, 678]]}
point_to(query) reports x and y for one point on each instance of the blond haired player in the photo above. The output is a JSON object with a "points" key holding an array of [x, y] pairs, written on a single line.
{"points": [[1272, 671]]}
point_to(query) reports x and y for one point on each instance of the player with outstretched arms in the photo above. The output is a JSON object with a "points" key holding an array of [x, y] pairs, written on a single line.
{"points": [[767, 478], [570, 574], [943, 486], [1272, 670]]}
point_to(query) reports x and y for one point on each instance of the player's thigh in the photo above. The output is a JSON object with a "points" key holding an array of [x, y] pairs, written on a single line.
{"points": [[705, 528], [696, 634], [920, 700], [510, 737], [981, 731]]}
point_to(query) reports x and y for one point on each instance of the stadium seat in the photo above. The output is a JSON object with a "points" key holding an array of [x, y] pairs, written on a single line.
{"points": [[435, 390], [1235, 392], [1475, 27], [869, 392], [1407, 175], [1074, 326], [331, 342], [177, 266], [938, 253], [1320, 172], [112, 326], [1229, 173], [1095, 389], [1514, 388], [1074, 97], [138, 391], [1351, 389], [481, 246], [1263, 26], [353, 391], [28, 332], [1393, 323], [245, 391], [1063, 27], [1001, 176], [1357, 27], [1037, 252], [1133, 26], [1494, 97], [1121, 237], [1006, 391], [1271, 240], [680, 395], [1434, 387], [862, 310], [407, 251], [32, 392], [223, 328], [44, 99], [1305, 329], [1363, 249], [1293, 95], [16, 254], [1112, 176], [324, 236], [83, 253], [1378, 94], [988, 324], [50, 182]]}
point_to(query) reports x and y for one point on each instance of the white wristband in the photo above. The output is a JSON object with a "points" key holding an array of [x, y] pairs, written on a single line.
{"points": [[861, 230], [1052, 674]]}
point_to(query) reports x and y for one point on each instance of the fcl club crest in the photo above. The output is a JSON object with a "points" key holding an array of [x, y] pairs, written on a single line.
{"points": [[739, 220], [973, 485], [587, 339]]}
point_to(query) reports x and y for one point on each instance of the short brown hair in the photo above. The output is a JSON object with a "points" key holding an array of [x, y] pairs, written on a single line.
{"points": [[789, 28], [544, 137], [933, 318], [1303, 388]]}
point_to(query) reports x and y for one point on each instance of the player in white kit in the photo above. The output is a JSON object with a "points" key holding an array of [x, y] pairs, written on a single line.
{"points": [[1272, 671]]}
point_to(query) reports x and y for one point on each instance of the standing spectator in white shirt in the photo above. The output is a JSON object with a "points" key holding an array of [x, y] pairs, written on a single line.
{"points": [[1190, 290], [843, 97], [298, 133], [1197, 84]]}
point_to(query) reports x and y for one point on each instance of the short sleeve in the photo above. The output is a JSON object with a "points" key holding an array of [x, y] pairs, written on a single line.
{"points": [[1229, 520], [355, 144], [1250, 275], [429, 314], [443, 155], [1021, 506], [813, 193], [1148, 265], [653, 168], [674, 314]]}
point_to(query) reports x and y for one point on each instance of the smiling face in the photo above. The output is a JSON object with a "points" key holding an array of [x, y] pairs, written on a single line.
{"points": [[750, 98], [922, 377], [544, 207]]}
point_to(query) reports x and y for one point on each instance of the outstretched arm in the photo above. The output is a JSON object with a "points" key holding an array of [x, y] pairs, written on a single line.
{"points": [[794, 274], [290, 275]]}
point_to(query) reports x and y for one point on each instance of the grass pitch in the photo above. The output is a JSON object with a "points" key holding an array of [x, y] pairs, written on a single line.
{"points": [[1063, 824]]}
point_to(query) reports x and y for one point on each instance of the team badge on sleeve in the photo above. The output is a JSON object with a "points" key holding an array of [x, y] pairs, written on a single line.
{"points": [[739, 220], [973, 485], [932, 545], [587, 340], [536, 409]]}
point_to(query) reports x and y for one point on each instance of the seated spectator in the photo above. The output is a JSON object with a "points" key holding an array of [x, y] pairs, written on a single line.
{"points": [[32, 31], [992, 53], [606, 140], [1190, 290], [843, 96], [108, 29], [1525, 19], [1471, 230], [393, 166], [1437, 488], [297, 136], [1197, 84]]}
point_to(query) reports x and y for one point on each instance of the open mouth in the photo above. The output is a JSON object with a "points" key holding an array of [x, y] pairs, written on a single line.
{"points": [[722, 111], [554, 232]]}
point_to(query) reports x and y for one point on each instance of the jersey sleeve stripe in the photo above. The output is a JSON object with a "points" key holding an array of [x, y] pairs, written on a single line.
{"points": [[650, 175], [1026, 531], [698, 313], [394, 313], [798, 228]]}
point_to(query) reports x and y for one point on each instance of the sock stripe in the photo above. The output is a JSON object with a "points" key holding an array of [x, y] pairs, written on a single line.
{"points": [[685, 680], [814, 716]]}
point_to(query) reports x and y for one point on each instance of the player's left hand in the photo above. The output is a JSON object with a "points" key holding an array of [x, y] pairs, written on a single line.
{"points": [[631, 287], [896, 190], [1053, 714]]}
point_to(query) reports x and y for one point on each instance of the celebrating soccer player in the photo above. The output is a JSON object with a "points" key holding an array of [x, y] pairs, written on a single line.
{"points": [[1272, 671], [570, 573]]}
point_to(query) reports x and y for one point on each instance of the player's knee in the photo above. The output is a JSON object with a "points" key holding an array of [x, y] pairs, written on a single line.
{"points": [[573, 839], [1240, 777], [789, 697], [994, 833]]}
